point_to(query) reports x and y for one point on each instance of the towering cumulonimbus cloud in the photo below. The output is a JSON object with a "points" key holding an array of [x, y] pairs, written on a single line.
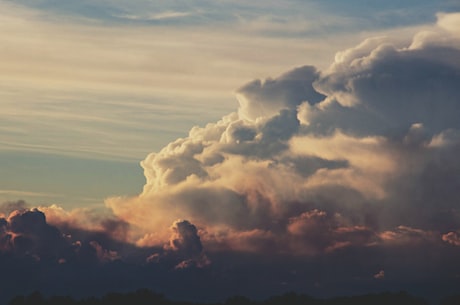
{"points": [[372, 141], [347, 177]]}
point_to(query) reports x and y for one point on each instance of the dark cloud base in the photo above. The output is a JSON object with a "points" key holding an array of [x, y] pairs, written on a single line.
{"points": [[91, 264]]}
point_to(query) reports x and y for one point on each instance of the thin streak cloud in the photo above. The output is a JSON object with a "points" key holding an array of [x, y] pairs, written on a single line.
{"points": [[159, 16]]}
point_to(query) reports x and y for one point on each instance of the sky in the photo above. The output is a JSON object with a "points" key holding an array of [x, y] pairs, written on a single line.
{"points": [[211, 148]]}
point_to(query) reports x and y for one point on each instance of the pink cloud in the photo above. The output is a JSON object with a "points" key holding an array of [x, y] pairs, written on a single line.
{"points": [[452, 238]]}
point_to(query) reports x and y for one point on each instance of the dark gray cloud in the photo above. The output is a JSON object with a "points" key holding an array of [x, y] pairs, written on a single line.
{"points": [[264, 99], [184, 249], [316, 232], [27, 233], [397, 88], [185, 243], [185, 238]]}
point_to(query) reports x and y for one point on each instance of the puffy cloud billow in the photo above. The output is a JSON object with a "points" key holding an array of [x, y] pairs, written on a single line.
{"points": [[328, 165], [28, 234], [66, 254], [372, 143], [347, 178], [184, 248]]}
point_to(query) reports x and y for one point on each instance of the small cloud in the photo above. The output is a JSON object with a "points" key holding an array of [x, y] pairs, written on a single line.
{"points": [[184, 246], [185, 238], [104, 255], [451, 238], [407, 235], [380, 275], [152, 17], [170, 15]]}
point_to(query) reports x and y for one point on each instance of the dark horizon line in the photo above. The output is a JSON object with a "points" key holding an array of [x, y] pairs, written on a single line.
{"points": [[146, 296]]}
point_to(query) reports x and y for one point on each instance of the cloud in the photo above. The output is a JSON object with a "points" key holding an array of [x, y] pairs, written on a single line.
{"points": [[399, 88], [186, 243], [159, 16], [184, 249], [451, 238], [103, 254], [332, 174], [9, 206], [353, 153], [408, 236], [251, 241], [86, 222], [318, 232], [380, 275], [159, 73], [265, 99], [27, 233], [56, 259], [76, 238], [185, 238], [449, 22]]}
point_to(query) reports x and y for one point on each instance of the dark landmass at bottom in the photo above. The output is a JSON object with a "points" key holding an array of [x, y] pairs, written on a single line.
{"points": [[148, 297]]}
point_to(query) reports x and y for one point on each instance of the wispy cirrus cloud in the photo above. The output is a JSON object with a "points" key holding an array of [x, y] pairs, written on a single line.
{"points": [[157, 16], [79, 82], [19, 193]]}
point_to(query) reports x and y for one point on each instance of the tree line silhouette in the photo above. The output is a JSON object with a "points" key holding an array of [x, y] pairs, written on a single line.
{"points": [[148, 297]]}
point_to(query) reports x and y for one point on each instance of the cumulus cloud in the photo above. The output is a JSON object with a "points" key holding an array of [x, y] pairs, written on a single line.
{"points": [[396, 88], [184, 248], [86, 222], [359, 155], [27, 233], [267, 98], [318, 232], [186, 242], [70, 259]]}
